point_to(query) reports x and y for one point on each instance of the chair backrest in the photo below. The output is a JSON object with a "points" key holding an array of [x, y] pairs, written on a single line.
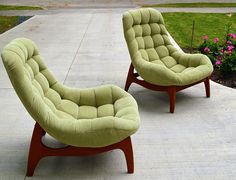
{"points": [[30, 77], [146, 35]]}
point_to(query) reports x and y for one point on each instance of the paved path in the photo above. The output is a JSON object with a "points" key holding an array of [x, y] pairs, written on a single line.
{"points": [[107, 10], [88, 49], [97, 3], [102, 6]]}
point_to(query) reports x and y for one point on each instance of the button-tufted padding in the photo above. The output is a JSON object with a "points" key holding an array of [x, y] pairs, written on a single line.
{"points": [[156, 60], [93, 117]]}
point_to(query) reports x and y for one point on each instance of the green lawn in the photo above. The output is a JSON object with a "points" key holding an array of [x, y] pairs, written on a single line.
{"points": [[7, 22], [210, 5], [180, 26], [11, 7]]}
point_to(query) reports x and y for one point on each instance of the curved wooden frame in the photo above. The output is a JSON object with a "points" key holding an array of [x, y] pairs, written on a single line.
{"points": [[171, 90], [38, 150]]}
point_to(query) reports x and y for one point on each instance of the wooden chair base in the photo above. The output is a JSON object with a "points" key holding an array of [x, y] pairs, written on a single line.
{"points": [[38, 150], [171, 90]]}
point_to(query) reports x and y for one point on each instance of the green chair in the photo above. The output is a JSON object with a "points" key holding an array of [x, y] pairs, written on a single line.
{"points": [[161, 66], [89, 121]]}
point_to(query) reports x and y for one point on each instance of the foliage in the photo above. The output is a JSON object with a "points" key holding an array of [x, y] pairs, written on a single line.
{"points": [[221, 53], [11, 7]]}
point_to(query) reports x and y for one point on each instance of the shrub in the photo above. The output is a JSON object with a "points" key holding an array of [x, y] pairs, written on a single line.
{"points": [[222, 54]]}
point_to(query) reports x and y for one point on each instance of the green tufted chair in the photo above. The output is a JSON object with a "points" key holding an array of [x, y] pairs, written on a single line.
{"points": [[89, 121], [161, 66]]}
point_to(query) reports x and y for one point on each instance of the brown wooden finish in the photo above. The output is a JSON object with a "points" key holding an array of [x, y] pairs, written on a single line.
{"points": [[172, 97], [38, 150], [171, 90], [207, 86]]}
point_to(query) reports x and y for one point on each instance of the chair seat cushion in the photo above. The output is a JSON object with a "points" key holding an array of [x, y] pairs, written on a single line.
{"points": [[112, 118], [188, 69], [92, 117]]}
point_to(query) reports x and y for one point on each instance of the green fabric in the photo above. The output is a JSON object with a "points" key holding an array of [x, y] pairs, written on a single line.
{"points": [[153, 56], [93, 117]]}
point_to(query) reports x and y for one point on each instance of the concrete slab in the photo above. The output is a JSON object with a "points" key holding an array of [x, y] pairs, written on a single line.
{"points": [[72, 3], [88, 49], [97, 3], [110, 10]]}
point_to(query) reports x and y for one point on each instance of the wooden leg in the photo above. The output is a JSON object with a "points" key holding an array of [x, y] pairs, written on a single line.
{"points": [[207, 86], [128, 151], [130, 77], [36, 149], [172, 96]]}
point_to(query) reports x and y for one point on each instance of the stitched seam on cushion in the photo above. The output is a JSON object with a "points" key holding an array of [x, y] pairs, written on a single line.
{"points": [[141, 23], [78, 113], [20, 47], [95, 101], [113, 110], [149, 18], [188, 70], [15, 53], [133, 19], [183, 70], [112, 95], [96, 105], [141, 20], [78, 105], [172, 66], [51, 87], [26, 48]]}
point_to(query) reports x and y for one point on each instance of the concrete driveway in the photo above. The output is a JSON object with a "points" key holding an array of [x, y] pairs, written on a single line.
{"points": [[96, 3], [88, 49]]}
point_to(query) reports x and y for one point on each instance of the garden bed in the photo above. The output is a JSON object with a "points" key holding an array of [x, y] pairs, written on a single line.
{"points": [[226, 80]]}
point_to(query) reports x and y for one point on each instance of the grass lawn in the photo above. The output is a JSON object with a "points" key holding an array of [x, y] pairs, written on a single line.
{"points": [[7, 22], [210, 5], [11, 7], [214, 25]]}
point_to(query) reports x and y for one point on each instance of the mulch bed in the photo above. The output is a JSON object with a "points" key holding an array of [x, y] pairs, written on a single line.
{"points": [[226, 80]]}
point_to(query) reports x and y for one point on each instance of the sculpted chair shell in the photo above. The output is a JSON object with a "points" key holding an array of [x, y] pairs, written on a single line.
{"points": [[161, 66], [89, 121]]}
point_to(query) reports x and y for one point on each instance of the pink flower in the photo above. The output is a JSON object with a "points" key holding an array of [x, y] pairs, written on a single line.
{"points": [[229, 42], [206, 49], [205, 37], [230, 48], [233, 36], [216, 40], [218, 62], [222, 50]]}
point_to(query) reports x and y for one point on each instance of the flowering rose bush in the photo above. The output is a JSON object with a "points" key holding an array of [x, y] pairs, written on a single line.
{"points": [[222, 54]]}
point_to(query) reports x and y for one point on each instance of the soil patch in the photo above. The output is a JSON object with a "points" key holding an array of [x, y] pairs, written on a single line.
{"points": [[228, 79]]}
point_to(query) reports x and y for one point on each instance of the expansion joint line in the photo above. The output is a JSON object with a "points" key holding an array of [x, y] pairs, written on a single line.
{"points": [[74, 58]]}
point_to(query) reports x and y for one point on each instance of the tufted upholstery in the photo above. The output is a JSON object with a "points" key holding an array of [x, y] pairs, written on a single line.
{"points": [[156, 60], [93, 117]]}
